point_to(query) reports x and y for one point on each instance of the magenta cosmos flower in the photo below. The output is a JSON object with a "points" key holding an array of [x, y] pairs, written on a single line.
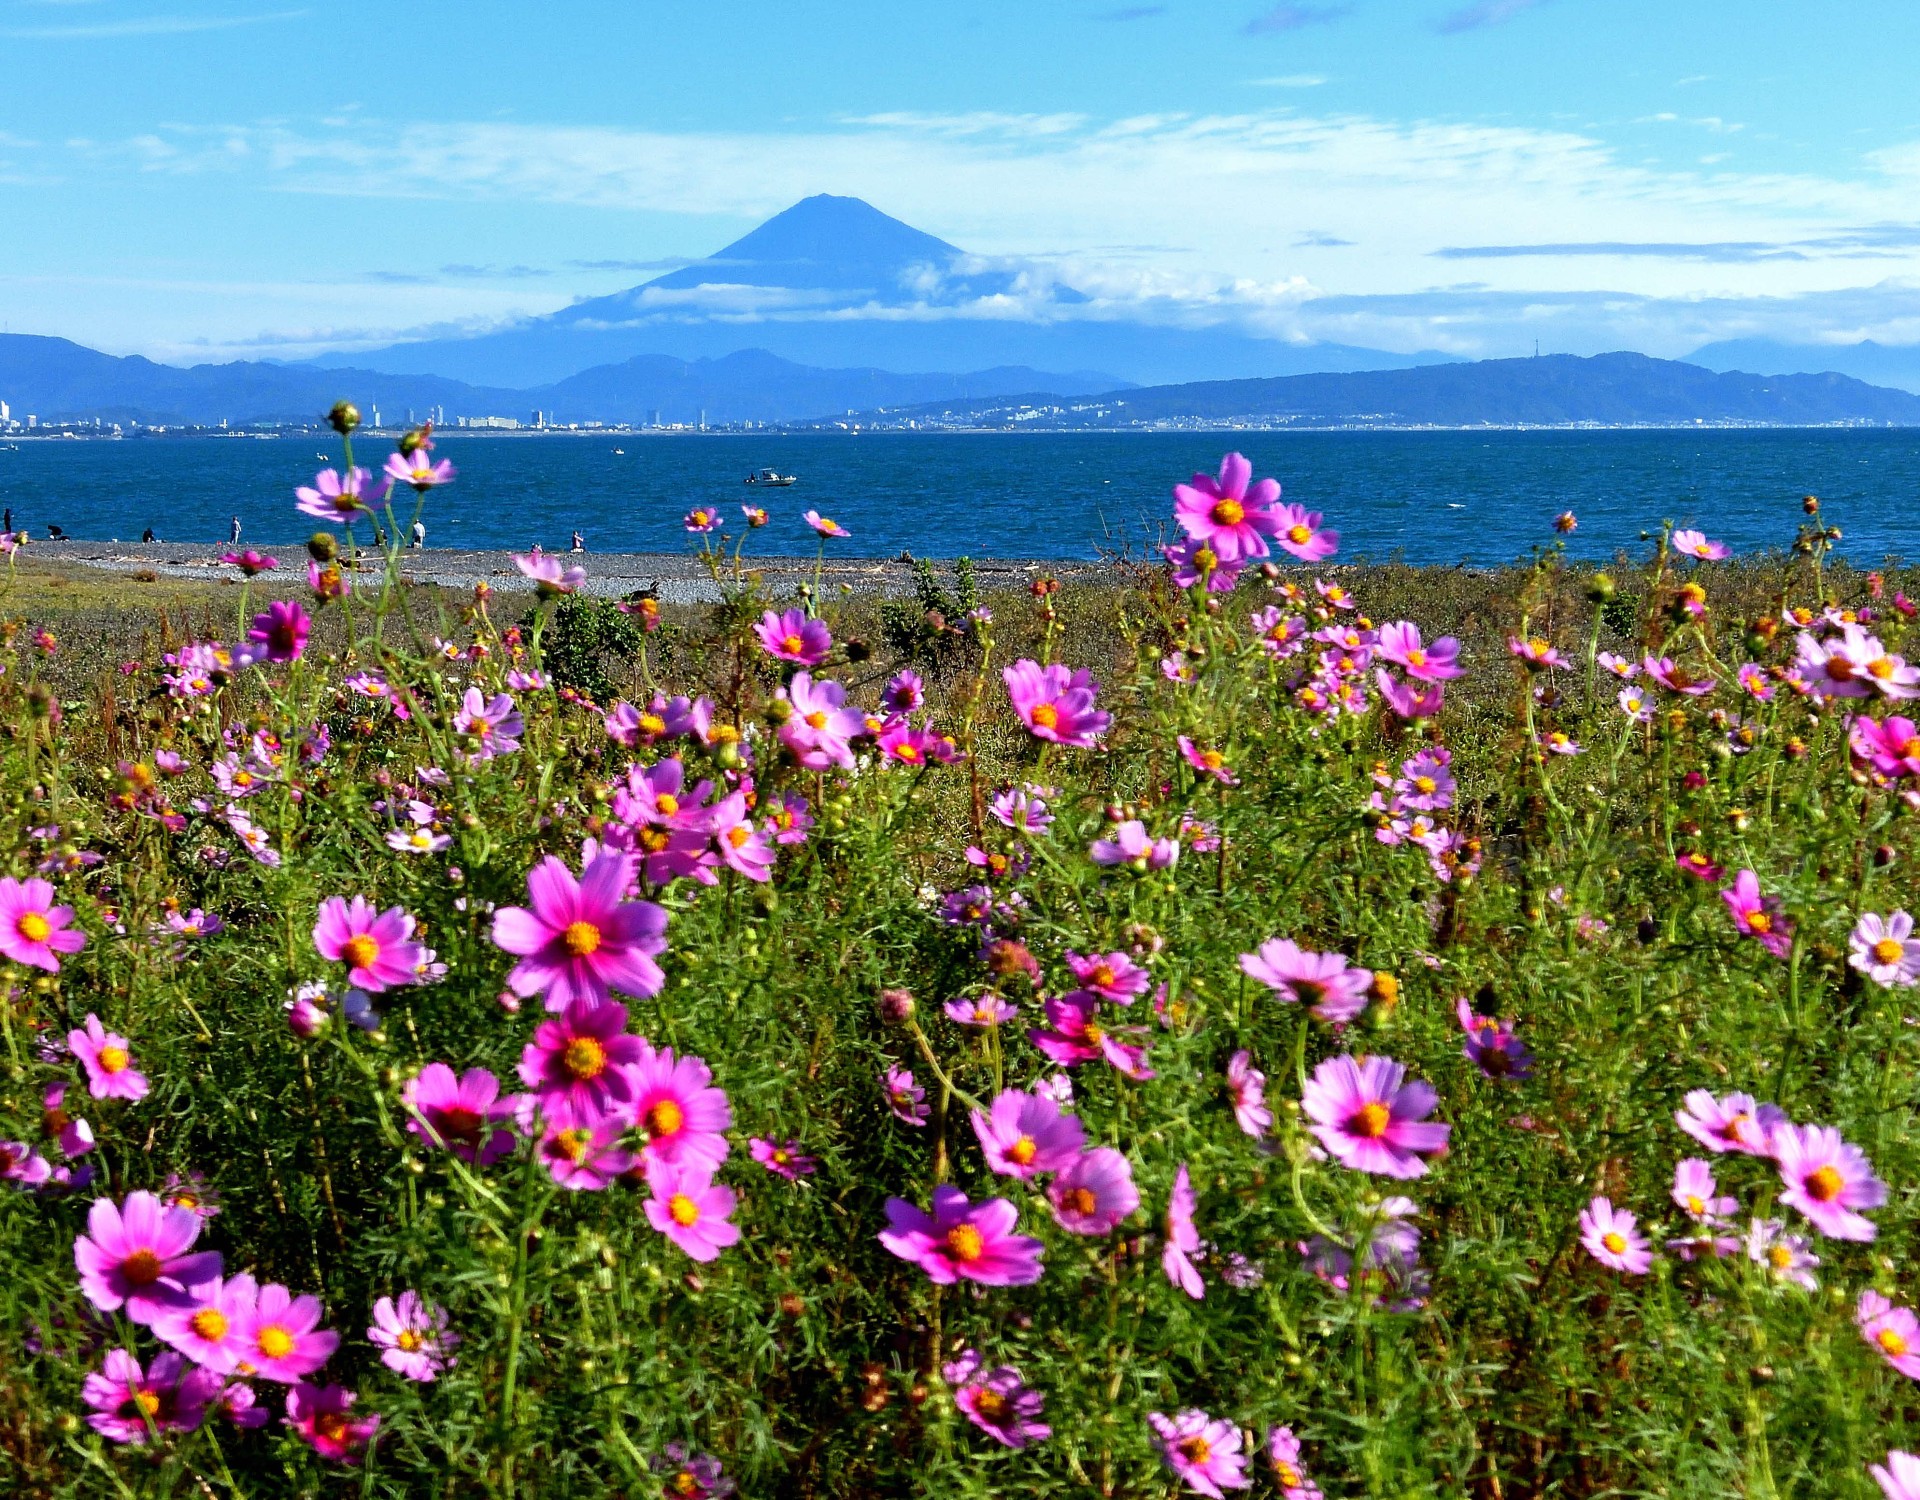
{"points": [[210, 1329], [418, 470], [32, 928], [282, 1338], [905, 1098], [1695, 544], [136, 1256], [1697, 1194], [961, 1242], [1893, 1332], [1735, 1123], [1369, 1120], [676, 1107], [1827, 1180], [825, 525], [1675, 678], [1612, 1237], [1203, 1453], [1885, 949], [108, 1058], [280, 631], [169, 1394], [459, 1114], [577, 939], [1026, 1136], [1898, 1477], [579, 1064], [1400, 643], [586, 1157], [1207, 761], [1183, 1237], [1225, 514], [997, 1401], [488, 726], [1056, 704], [1301, 534], [792, 636], [1110, 976], [1247, 1087], [820, 729], [332, 497], [1758, 916], [787, 1160], [321, 1415], [549, 577], [376, 946], [1491, 1045], [413, 1335], [1094, 1193], [691, 1209], [1321, 980], [1131, 845]]}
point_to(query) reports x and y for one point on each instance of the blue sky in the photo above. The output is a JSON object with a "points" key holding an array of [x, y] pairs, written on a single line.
{"points": [[196, 180]]}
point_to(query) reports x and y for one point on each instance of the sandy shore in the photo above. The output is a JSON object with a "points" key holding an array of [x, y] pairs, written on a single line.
{"points": [[674, 577]]}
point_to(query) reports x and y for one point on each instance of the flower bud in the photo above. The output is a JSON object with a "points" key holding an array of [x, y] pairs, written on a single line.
{"points": [[1601, 588], [323, 546], [1810, 504], [306, 1018], [344, 417], [416, 438], [1883, 856], [896, 1006]]}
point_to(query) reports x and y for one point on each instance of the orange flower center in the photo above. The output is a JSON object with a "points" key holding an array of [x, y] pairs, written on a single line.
{"points": [[793, 643], [1614, 1241], [653, 724], [965, 1243], [1780, 1257], [1371, 1121], [33, 927], [1880, 667], [990, 1404], [274, 1342], [113, 1059], [1198, 1449], [1695, 1206], [1891, 1341], [1824, 1184], [142, 1268], [1023, 1151], [1080, 1200], [1889, 951], [1228, 512], [665, 1118], [1299, 536], [407, 1341], [817, 720], [359, 951], [572, 1144], [667, 804], [210, 1324], [739, 834], [1045, 716], [1759, 921], [581, 938], [585, 1057]]}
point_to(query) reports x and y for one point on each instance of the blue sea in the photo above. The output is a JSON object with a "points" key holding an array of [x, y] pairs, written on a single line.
{"points": [[1430, 497]]}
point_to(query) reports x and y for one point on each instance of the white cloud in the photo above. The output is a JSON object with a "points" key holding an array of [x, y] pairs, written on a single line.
{"points": [[141, 27], [1290, 81]]}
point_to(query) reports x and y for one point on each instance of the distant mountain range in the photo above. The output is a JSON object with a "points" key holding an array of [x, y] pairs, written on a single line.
{"points": [[1549, 390], [1877, 364]]}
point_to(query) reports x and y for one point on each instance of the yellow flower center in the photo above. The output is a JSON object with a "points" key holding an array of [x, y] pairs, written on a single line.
{"points": [[1198, 1449], [683, 1210], [665, 1118], [113, 1059], [1080, 1200], [585, 1057], [274, 1342], [964, 1242], [1286, 1473], [407, 1341], [653, 724], [1780, 1257], [1695, 1206], [210, 1324], [816, 720], [1299, 535], [1824, 1184], [1889, 951], [33, 927], [1416, 657], [1614, 1241], [990, 1404], [1759, 921], [1046, 716], [1228, 512], [581, 938], [793, 643], [1023, 1151], [1426, 786], [148, 1402], [572, 1144], [1881, 668], [1891, 1341], [1371, 1121], [359, 951], [667, 803]]}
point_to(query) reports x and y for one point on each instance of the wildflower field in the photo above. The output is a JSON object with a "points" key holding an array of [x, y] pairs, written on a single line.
{"points": [[1205, 1034]]}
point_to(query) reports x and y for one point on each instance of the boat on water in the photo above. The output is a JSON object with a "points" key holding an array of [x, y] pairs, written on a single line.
{"points": [[772, 479], [619, 452]]}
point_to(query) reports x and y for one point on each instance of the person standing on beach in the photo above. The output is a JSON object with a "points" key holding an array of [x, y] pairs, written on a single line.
{"points": [[6, 522], [419, 534], [579, 542], [233, 531]]}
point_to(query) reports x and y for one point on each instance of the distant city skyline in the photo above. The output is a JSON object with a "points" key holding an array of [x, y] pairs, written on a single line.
{"points": [[195, 181]]}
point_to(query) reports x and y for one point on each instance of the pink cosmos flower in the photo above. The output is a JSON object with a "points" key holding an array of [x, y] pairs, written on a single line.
{"points": [[1755, 682], [1026, 1136], [579, 1064], [904, 692], [1892, 748], [1758, 916], [1023, 809], [1893, 1332], [1208, 762], [1491, 1045], [1785, 1257], [1224, 515], [905, 1098], [585, 1156], [1735, 1123], [549, 577], [1301, 534], [686, 1475], [676, 1107], [108, 1058], [825, 526], [1827, 1180], [1183, 1238], [1698, 865], [1885, 949], [690, 1209], [279, 633], [169, 1394], [787, 818], [1612, 1237], [577, 939], [787, 1161], [960, 1242], [1283, 1452], [702, 519], [414, 1336], [1697, 1194], [1247, 1086], [1400, 644], [375, 945], [487, 726], [743, 847], [1675, 679], [1195, 564], [280, 1337], [986, 1009], [1369, 1120], [792, 636], [1056, 704], [1535, 654], [1695, 544], [319, 1414], [1094, 1193], [210, 1329], [335, 498], [20, 1163], [997, 1401], [1336, 992], [459, 1115], [1110, 976], [1202, 1453], [250, 563], [136, 1256], [1131, 845], [32, 928], [1898, 1477], [1407, 701], [820, 729], [1074, 1036], [417, 470]]}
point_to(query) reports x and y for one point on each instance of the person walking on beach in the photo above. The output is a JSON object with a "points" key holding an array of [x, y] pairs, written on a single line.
{"points": [[6, 522], [419, 534], [233, 531], [579, 542]]}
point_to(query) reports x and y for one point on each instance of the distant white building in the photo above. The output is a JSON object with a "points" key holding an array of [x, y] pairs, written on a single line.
{"points": [[505, 424]]}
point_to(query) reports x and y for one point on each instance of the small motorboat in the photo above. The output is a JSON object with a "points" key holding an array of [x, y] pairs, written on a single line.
{"points": [[772, 479], [619, 452]]}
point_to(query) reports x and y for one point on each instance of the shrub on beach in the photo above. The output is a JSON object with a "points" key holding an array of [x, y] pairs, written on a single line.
{"points": [[1251, 1066]]}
